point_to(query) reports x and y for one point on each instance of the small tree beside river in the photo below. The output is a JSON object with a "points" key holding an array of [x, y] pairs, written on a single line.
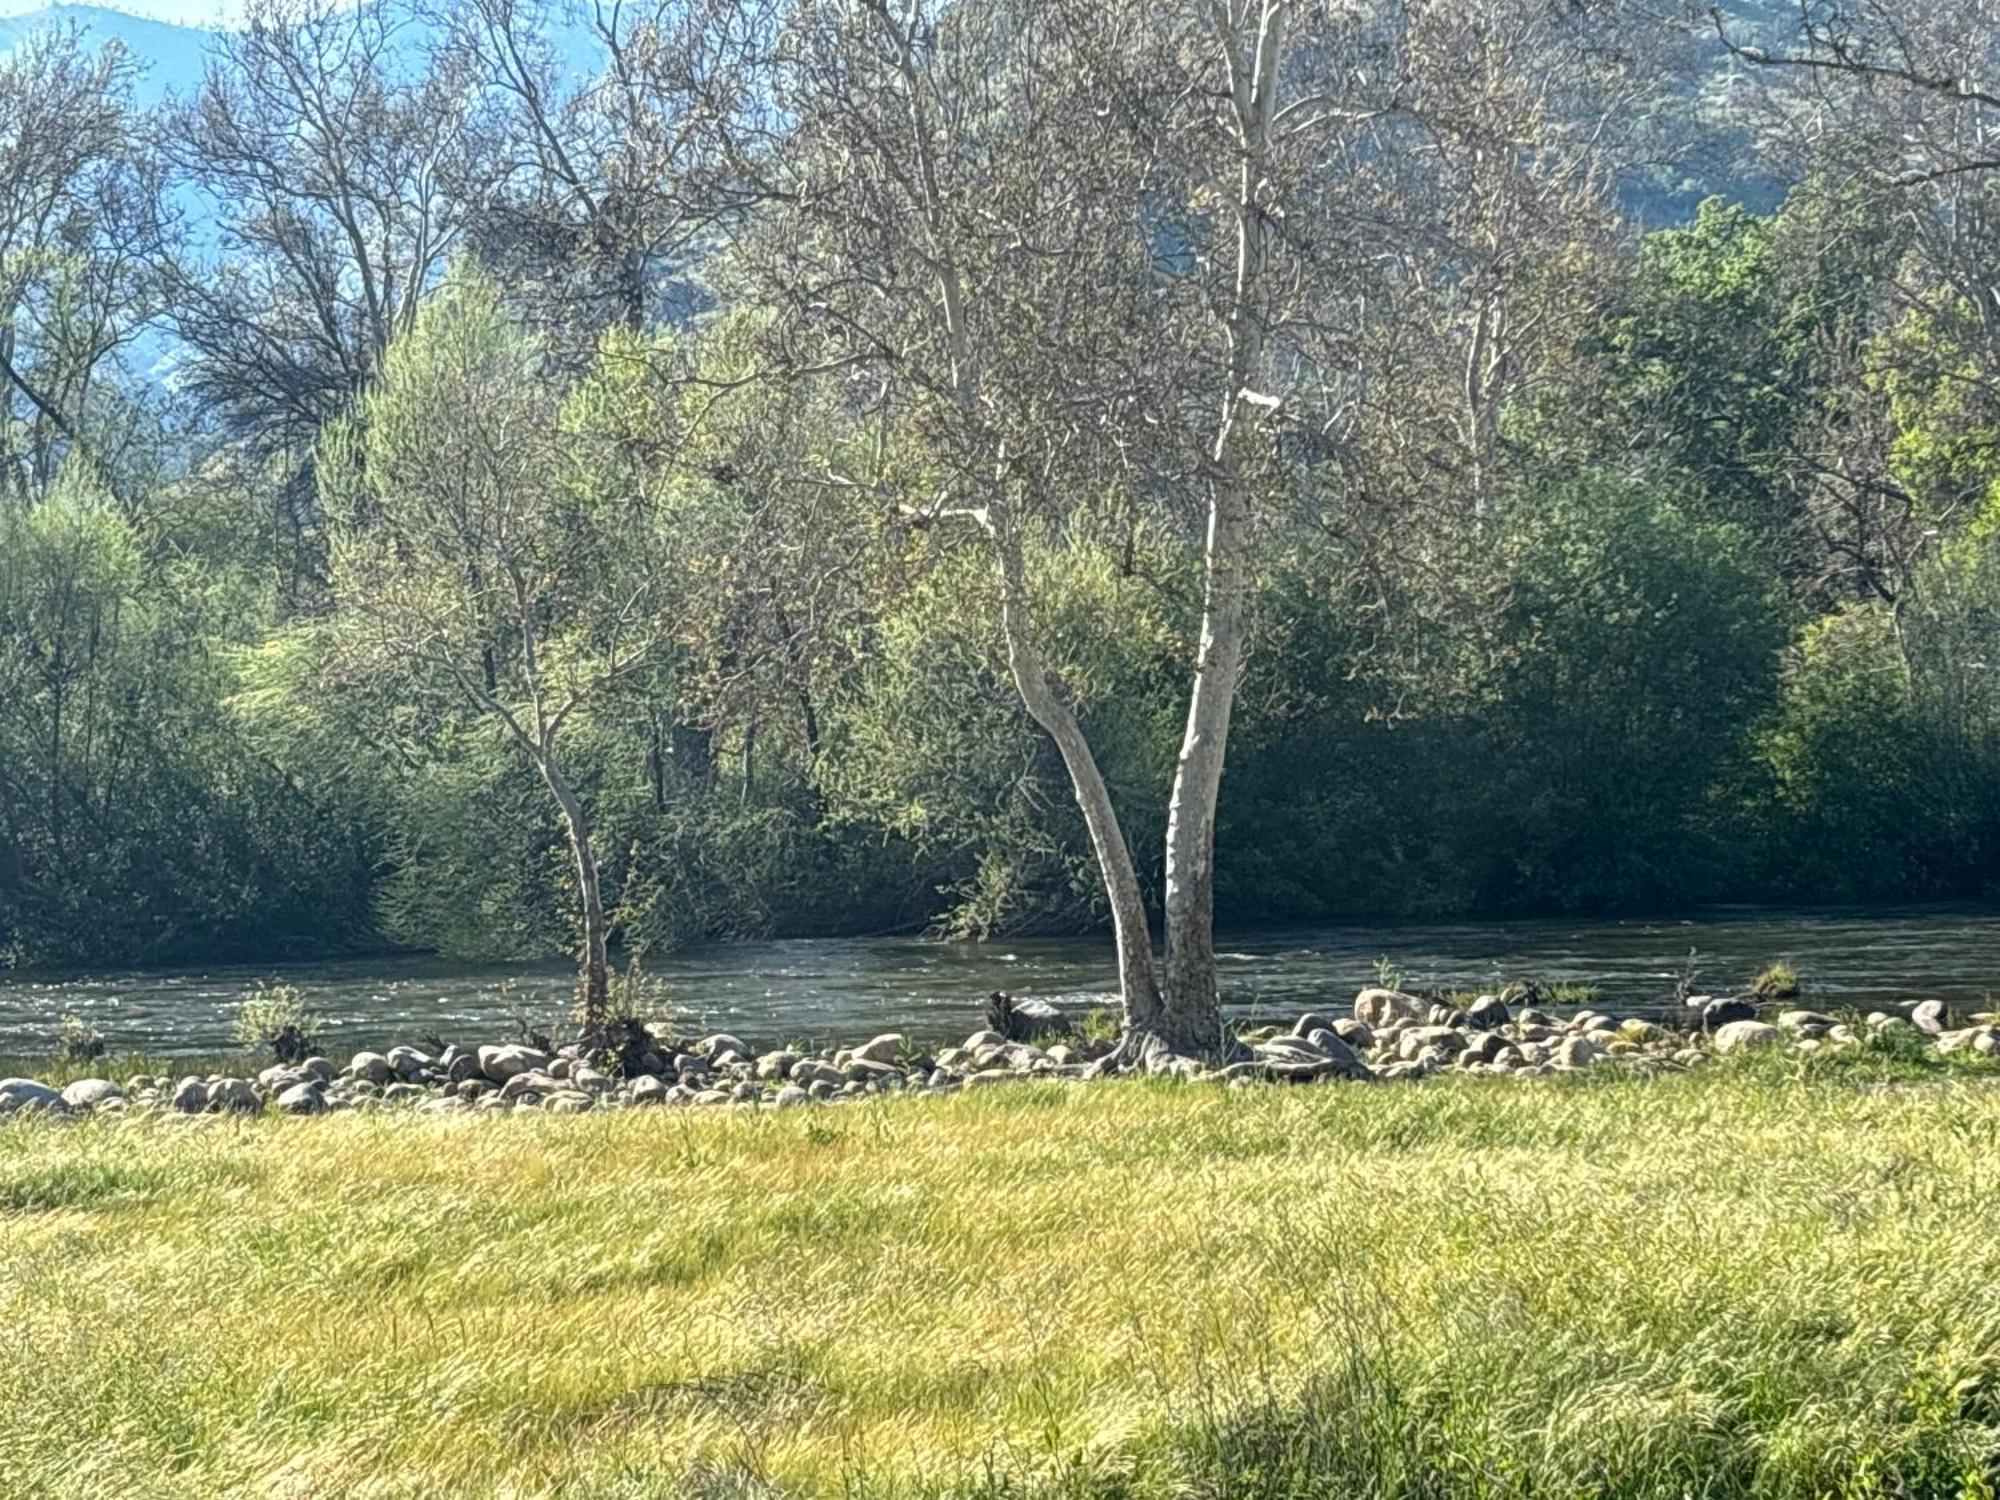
{"points": [[479, 560]]}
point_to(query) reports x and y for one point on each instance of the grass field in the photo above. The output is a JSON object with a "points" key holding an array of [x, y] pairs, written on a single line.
{"points": [[1752, 1281]]}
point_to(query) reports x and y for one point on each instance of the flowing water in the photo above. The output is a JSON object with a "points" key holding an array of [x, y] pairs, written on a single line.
{"points": [[826, 989]]}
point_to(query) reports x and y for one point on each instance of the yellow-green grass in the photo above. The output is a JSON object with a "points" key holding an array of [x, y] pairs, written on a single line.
{"points": [[1751, 1281]]}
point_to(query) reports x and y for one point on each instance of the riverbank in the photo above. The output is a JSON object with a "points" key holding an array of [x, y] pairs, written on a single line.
{"points": [[1385, 1036], [1771, 1276]]}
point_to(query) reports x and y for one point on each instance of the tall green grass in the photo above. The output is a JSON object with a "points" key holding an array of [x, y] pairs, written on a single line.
{"points": [[1757, 1281]]}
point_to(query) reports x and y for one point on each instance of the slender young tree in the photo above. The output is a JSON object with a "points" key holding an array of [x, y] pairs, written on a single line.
{"points": [[475, 560]]}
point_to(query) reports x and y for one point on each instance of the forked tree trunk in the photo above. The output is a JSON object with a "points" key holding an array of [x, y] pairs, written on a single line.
{"points": [[1183, 1016], [1138, 980]]}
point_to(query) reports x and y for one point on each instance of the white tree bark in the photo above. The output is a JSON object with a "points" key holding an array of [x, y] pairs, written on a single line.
{"points": [[1138, 983], [1191, 1016], [1174, 1010]]}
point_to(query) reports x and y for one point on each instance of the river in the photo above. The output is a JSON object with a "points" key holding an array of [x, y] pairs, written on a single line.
{"points": [[845, 988]]}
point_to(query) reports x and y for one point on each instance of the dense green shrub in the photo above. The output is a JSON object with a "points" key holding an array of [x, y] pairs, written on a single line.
{"points": [[1640, 639], [136, 822]]}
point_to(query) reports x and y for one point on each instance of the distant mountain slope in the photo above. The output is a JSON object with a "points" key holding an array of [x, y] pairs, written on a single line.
{"points": [[171, 56]]}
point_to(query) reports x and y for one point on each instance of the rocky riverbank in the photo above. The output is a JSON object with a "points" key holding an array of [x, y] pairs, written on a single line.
{"points": [[1388, 1035]]}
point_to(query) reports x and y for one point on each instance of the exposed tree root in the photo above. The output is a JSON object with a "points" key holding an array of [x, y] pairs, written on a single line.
{"points": [[1144, 1050]]}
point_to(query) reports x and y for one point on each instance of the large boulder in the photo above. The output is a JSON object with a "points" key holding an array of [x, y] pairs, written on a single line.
{"points": [[885, 1048], [1746, 1036], [408, 1063], [1930, 1017], [457, 1064], [1328, 1043], [1487, 1047], [862, 1070], [1578, 1051], [534, 1085], [498, 1064], [1379, 1008], [1298, 1058], [26, 1093], [369, 1067], [92, 1093], [1357, 1034], [812, 1071], [773, 1066], [1487, 1013], [303, 1099], [190, 1096], [234, 1096], [1446, 1038], [647, 1089]]}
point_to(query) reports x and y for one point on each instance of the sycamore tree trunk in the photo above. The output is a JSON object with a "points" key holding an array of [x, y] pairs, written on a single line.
{"points": [[1138, 983], [1190, 1019], [1191, 1005], [1182, 1016]]}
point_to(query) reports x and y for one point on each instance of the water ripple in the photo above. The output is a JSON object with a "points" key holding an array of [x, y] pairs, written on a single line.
{"points": [[846, 987]]}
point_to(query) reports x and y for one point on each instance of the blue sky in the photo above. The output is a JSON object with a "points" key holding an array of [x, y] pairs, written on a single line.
{"points": [[181, 12]]}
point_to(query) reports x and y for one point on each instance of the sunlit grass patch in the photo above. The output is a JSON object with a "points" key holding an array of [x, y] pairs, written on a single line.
{"points": [[1750, 1282]]}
